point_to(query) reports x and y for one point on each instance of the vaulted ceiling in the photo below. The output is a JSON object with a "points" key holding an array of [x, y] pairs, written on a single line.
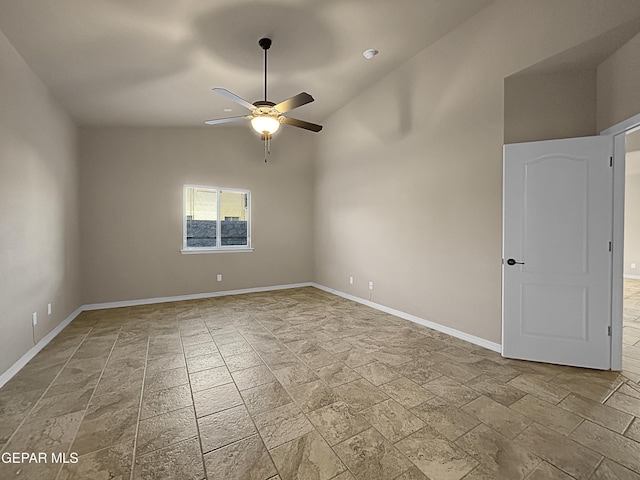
{"points": [[154, 62]]}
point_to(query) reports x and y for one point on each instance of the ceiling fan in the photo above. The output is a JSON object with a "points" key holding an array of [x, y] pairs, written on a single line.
{"points": [[267, 116]]}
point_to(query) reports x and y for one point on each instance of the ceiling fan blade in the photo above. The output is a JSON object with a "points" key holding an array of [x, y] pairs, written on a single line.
{"points": [[232, 96], [294, 122], [294, 102], [225, 120]]}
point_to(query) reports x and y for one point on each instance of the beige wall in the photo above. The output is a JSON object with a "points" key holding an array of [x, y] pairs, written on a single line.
{"points": [[39, 234], [431, 133], [618, 91], [632, 213], [549, 105], [131, 190]]}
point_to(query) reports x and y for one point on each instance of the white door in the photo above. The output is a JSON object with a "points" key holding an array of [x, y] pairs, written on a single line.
{"points": [[557, 229]]}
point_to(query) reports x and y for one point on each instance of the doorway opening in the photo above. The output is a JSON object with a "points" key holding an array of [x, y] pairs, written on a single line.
{"points": [[631, 269], [560, 98], [622, 133]]}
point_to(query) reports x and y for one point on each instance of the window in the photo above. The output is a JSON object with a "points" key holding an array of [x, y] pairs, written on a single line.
{"points": [[216, 220]]}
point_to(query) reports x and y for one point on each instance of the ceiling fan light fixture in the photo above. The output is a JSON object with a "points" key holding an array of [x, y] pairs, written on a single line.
{"points": [[265, 124]]}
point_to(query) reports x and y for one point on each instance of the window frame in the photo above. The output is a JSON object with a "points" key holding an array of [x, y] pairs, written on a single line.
{"points": [[218, 249]]}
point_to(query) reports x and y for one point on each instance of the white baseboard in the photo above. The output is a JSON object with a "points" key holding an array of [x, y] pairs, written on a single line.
{"points": [[637, 277], [496, 347], [16, 367], [195, 296]]}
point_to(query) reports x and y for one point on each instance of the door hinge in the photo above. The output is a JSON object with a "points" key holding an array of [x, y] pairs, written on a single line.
{"points": [[609, 330], [611, 161], [610, 246]]}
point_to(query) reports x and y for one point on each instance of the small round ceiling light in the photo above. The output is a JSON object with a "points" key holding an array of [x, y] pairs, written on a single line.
{"points": [[369, 54]]}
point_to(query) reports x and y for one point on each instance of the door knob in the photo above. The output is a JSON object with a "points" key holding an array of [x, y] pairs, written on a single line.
{"points": [[512, 261]]}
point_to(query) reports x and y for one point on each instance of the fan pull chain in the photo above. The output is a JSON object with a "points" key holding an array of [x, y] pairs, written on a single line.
{"points": [[267, 147]]}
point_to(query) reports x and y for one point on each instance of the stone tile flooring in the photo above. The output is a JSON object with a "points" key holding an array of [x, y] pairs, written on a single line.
{"points": [[631, 330], [301, 384]]}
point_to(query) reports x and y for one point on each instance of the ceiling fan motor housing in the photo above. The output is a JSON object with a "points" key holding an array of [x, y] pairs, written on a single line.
{"points": [[264, 103], [264, 108]]}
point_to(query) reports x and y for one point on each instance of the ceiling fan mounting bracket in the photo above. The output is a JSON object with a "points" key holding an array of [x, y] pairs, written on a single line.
{"points": [[265, 43]]}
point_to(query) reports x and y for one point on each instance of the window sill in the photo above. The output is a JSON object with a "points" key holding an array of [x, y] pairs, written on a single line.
{"points": [[192, 251]]}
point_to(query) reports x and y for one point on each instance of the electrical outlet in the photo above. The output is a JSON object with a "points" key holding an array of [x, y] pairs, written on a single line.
{"points": [[48, 309], [370, 285], [34, 319], [633, 265], [350, 280], [219, 277]]}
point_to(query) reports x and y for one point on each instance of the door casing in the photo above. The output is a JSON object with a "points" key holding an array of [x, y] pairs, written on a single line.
{"points": [[619, 133]]}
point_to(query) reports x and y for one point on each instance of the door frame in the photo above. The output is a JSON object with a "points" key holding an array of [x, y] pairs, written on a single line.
{"points": [[619, 132]]}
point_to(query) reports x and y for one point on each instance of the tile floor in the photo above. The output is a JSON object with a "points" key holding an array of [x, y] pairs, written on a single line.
{"points": [[631, 330], [301, 384]]}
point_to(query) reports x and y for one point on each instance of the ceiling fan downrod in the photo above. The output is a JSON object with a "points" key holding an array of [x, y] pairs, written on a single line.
{"points": [[265, 43]]}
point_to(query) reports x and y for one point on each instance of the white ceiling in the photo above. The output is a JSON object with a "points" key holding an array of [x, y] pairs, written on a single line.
{"points": [[154, 62]]}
